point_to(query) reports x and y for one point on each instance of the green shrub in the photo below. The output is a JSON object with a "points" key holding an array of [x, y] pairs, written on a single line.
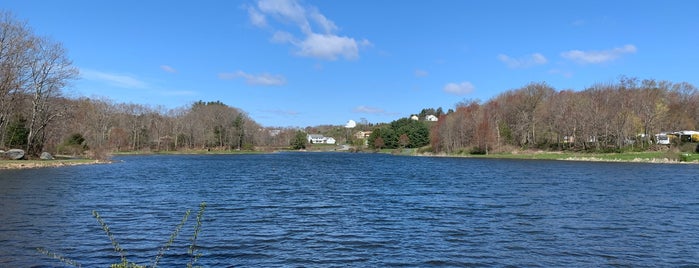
{"points": [[477, 150], [73, 144], [684, 157]]}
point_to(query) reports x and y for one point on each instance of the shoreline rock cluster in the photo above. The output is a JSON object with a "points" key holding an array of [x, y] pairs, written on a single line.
{"points": [[19, 154], [12, 154]]}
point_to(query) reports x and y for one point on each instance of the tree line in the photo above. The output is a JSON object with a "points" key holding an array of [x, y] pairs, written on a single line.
{"points": [[603, 117], [36, 116], [401, 133]]}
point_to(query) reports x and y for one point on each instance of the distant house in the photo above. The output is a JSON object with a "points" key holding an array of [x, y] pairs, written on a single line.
{"points": [[662, 138], [432, 118], [414, 117], [320, 139], [362, 134], [568, 139]]}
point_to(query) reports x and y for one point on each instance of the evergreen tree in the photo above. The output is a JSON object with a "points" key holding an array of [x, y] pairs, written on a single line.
{"points": [[299, 141], [16, 135]]}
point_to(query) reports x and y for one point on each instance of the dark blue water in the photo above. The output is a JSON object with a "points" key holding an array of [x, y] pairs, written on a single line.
{"points": [[358, 210]]}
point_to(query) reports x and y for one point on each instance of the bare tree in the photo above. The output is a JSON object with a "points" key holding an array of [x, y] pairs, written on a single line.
{"points": [[50, 70], [14, 42]]}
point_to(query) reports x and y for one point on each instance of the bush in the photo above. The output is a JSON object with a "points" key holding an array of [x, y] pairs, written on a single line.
{"points": [[477, 150], [74, 145], [684, 157], [688, 147]]}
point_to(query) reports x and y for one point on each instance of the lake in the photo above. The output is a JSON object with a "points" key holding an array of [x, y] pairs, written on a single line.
{"points": [[355, 210]]}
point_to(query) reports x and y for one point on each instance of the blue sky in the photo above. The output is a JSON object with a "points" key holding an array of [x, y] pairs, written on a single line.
{"points": [[307, 63]]}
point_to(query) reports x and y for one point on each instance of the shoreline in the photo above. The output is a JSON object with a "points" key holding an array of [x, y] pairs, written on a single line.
{"points": [[650, 158], [642, 157], [30, 164]]}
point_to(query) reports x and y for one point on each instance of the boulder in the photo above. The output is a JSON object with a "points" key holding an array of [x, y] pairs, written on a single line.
{"points": [[46, 156], [15, 154]]}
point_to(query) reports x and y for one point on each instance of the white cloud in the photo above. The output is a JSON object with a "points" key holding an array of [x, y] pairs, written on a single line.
{"points": [[328, 47], [421, 73], [118, 80], [462, 88], [327, 25], [598, 56], [168, 68], [256, 80], [256, 18], [322, 43], [368, 110], [287, 11], [524, 61], [283, 37]]}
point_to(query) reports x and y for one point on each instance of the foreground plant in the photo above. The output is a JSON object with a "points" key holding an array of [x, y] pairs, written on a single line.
{"points": [[124, 263]]}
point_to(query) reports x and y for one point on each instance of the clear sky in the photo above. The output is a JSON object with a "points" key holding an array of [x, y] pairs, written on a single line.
{"points": [[307, 63]]}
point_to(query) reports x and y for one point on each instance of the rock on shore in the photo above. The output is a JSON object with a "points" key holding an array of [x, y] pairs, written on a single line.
{"points": [[14, 154]]}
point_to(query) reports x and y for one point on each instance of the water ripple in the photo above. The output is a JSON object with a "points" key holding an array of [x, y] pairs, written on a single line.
{"points": [[356, 210]]}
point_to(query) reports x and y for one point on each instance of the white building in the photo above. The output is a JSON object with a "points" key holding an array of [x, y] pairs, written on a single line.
{"points": [[320, 139]]}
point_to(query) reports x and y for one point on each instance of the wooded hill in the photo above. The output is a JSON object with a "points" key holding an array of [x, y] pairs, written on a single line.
{"points": [[603, 117]]}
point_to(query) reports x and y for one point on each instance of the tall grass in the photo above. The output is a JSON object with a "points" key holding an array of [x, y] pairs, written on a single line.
{"points": [[124, 262]]}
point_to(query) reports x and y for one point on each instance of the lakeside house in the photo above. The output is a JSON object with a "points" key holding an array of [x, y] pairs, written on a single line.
{"points": [[320, 139]]}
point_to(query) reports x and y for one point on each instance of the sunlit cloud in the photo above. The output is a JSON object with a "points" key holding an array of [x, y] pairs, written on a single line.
{"points": [[462, 88], [524, 61], [256, 80], [118, 80], [598, 56], [315, 35], [328, 47], [168, 68]]}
